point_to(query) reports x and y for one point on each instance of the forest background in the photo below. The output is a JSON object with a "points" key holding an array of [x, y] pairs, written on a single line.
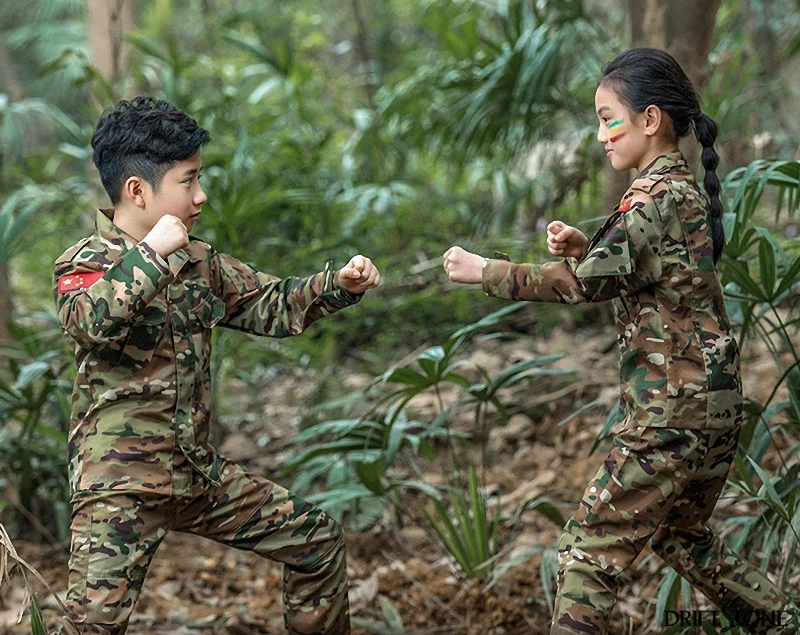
{"points": [[396, 129]]}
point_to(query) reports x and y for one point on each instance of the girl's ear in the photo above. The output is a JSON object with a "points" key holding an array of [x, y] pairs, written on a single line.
{"points": [[653, 117], [133, 191]]}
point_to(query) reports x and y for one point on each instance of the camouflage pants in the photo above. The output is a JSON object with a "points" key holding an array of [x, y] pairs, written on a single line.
{"points": [[662, 485], [116, 534]]}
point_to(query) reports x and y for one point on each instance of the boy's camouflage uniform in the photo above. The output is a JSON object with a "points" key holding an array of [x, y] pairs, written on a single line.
{"points": [[139, 459], [681, 396]]}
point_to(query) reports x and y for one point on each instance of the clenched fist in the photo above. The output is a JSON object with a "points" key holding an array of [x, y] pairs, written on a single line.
{"points": [[463, 266], [566, 241], [167, 236], [358, 275]]}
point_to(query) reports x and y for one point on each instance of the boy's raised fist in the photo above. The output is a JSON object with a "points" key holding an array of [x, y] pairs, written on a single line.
{"points": [[167, 236], [358, 275]]}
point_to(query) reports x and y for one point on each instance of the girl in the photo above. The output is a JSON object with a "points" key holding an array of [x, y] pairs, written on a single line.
{"points": [[681, 390]]}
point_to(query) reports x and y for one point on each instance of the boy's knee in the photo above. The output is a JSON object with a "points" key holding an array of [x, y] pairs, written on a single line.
{"points": [[328, 547]]}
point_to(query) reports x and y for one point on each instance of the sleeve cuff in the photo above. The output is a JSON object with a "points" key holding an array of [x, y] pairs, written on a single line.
{"points": [[335, 295], [143, 263], [492, 276], [148, 253]]}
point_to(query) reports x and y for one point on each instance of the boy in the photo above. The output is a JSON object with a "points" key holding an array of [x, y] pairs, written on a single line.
{"points": [[137, 302]]}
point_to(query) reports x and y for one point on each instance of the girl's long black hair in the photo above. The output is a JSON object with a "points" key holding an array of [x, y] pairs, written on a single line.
{"points": [[644, 76]]}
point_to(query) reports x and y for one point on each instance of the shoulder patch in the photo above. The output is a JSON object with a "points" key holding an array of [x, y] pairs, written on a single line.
{"points": [[78, 281]]}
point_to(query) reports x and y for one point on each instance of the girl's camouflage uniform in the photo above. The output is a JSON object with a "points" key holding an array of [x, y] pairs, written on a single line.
{"points": [[681, 397], [139, 460]]}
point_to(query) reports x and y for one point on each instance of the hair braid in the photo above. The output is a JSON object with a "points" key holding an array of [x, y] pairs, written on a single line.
{"points": [[706, 131]]}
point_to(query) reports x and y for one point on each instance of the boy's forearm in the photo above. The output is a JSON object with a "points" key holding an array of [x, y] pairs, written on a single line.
{"points": [[285, 307]]}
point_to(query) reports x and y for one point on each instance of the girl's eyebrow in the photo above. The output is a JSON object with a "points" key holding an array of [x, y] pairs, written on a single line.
{"points": [[602, 108]]}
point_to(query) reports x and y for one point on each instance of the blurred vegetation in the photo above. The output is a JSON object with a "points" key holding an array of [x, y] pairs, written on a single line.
{"points": [[393, 129]]}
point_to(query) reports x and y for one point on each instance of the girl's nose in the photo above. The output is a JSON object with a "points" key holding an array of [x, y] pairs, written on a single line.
{"points": [[602, 134]]}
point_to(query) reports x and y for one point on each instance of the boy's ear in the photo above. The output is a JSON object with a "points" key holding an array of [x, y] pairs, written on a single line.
{"points": [[653, 118], [133, 190]]}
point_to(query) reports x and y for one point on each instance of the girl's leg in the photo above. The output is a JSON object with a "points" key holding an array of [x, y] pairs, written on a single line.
{"points": [[690, 547], [114, 538], [250, 512], [629, 497]]}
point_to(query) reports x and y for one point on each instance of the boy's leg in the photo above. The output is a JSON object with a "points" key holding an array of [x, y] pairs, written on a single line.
{"points": [[689, 546], [114, 538], [250, 512], [623, 505]]}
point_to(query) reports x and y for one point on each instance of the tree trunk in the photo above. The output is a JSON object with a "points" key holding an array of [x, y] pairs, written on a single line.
{"points": [[107, 22], [685, 30]]}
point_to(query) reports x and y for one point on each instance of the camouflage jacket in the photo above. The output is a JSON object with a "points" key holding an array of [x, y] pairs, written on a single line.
{"points": [[140, 329], [654, 258]]}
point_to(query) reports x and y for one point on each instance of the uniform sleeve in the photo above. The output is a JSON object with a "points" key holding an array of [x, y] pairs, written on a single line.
{"points": [[103, 311], [262, 304], [624, 256]]}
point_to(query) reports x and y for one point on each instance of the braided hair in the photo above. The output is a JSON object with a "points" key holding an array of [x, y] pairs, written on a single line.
{"points": [[645, 76]]}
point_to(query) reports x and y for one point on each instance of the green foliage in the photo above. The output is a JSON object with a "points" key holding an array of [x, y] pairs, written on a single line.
{"points": [[386, 622], [357, 458], [38, 626], [34, 406], [760, 276], [471, 536], [357, 463]]}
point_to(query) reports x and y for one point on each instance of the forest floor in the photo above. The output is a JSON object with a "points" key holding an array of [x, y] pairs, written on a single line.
{"points": [[196, 586]]}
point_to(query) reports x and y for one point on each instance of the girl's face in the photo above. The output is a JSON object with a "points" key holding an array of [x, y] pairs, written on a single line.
{"points": [[622, 132]]}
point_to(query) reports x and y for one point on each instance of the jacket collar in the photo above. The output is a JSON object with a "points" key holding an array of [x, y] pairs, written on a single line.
{"points": [[669, 162], [107, 230]]}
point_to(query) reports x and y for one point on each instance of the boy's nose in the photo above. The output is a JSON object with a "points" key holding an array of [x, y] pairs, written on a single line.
{"points": [[200, 198]]}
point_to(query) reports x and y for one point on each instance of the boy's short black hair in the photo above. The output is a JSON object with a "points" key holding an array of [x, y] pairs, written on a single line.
{"points": [[143, 137]]}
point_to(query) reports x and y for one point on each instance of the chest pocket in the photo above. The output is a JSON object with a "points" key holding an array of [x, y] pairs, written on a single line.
{"points": [[146, 331]]}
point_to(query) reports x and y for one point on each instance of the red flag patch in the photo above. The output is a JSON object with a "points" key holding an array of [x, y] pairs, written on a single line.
{"points": [[625, 205], [78, 281]]}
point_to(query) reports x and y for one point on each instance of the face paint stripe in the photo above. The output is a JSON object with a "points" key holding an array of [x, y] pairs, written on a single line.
{"points": [[615, 124]]}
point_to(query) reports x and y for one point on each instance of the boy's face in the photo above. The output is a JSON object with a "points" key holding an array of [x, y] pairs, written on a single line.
{"points": [[179, 194]]}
